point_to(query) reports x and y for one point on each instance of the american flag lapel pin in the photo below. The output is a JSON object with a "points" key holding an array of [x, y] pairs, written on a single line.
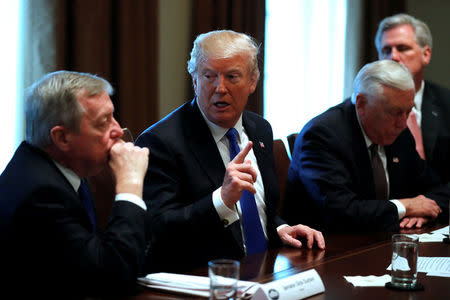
{"points": [[261, 144], [395, 160]]}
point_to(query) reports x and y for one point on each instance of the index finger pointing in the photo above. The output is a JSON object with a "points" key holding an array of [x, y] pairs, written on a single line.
{"points": [[239, 158]]}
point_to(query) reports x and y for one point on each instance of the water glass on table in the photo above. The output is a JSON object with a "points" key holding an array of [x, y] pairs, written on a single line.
{"points": [[405, 252], [127, 137], [223, 276]]}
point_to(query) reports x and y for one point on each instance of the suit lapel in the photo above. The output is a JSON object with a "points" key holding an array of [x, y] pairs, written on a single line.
{"points": [[430, 117], [259, 149], [363, 161], [203, 147]]}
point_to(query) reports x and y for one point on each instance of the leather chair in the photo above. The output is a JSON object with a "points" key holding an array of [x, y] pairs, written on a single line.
{"points": [[282, 162]]}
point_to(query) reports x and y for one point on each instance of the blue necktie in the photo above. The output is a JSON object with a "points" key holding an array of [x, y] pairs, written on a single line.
{"points": [[255, 241], [85, 198]]}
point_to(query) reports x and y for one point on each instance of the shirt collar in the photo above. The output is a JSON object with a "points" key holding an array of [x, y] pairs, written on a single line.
{"points": [[219, 132], [70, 175], [418, 98]]}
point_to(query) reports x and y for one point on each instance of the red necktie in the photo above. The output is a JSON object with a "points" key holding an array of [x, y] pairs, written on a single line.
{"points": [[417, 134]]}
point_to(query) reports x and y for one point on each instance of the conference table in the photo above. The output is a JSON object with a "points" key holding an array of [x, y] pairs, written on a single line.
{"points": [[345, 255]]}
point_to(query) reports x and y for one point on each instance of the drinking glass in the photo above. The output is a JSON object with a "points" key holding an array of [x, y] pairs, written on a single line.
{"points": [[223, 276], [405, 251], [127, 136]]}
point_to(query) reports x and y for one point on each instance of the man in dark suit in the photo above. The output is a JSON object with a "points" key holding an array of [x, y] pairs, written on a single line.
{"points": [[194, 186], [51, 245], [358, 164], [408, 41]]}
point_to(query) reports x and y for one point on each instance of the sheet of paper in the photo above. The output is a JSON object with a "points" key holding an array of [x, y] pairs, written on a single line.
{"points": [[186, 284], [371, 280], [434, 237], [443, 230], [432, 265]]}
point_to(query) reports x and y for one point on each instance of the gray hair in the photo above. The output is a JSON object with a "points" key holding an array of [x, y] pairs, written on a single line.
{"points": [[52, 101], [383, 73], [223, 44], [421, 30]]}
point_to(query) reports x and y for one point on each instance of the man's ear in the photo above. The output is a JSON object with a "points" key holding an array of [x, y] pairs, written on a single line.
{"points": [[361, 103], [60, 138], [194, 83], [426, 55], [253, 83]]}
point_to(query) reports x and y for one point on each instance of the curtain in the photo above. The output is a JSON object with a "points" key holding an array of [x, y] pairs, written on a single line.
{"points": [[373, 12], [247, 16]]}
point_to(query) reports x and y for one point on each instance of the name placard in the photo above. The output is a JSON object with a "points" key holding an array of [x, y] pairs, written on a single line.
{"points": [[294, 287]]}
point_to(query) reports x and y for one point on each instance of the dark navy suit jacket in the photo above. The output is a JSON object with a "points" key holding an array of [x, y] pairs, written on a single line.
{"points": [[330, 177], [185, 168], [435, 126], [48, 244]]}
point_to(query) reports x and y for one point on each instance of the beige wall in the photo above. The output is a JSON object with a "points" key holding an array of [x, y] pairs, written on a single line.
{"points": [[436, 13], [174, 48]]}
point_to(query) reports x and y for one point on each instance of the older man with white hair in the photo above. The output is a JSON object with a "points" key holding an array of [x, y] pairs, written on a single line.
{"points": [[358, 164]]}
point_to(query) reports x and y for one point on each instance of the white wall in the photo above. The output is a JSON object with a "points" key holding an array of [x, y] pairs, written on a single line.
{"points": [[436, 13]]}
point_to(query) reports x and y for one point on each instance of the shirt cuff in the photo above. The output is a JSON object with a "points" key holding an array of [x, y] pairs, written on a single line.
{"points": [[281, 227], [401, 209], [131, 198], [227, 215]]}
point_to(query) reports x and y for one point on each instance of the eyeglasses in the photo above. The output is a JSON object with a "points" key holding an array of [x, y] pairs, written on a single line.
{"points": [[127, 136]]}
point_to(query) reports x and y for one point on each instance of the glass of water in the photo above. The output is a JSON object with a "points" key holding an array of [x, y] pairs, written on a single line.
{"points": [[405, 251], [223, 278], [127, 136]]}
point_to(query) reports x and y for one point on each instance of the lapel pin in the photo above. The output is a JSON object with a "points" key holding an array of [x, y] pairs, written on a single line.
{"points": [[261, 144], [395, 160]]}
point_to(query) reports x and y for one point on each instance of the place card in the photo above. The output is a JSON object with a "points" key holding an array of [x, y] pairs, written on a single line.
{"points": [[298, 286]]}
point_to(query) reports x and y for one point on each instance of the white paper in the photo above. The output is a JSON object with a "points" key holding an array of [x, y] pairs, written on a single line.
{"points": [[370, 280], [433, 265], [294, 287], [401, 263], [186, 284], [443, 230], [434, 237], [439, 274]]}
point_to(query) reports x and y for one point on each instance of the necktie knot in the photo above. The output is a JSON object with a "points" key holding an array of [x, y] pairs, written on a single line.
{"points": [[231, 134]]}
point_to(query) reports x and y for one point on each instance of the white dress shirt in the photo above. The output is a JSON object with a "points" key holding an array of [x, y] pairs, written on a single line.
{"points": [[417, 109], [228, 215]]}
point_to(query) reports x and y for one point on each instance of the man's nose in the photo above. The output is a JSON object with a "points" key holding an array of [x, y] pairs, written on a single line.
{"points": [[117, 131], [220, 85], [395, 55]]}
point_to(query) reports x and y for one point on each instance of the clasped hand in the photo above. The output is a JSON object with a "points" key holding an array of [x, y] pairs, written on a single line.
{"points": [[129, 164]]}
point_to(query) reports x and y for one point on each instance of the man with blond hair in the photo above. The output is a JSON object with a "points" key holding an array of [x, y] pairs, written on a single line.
{"points": [[211, 181]]}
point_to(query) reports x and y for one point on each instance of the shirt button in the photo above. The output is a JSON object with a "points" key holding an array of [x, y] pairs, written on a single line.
{"points": [[225, 222]]}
